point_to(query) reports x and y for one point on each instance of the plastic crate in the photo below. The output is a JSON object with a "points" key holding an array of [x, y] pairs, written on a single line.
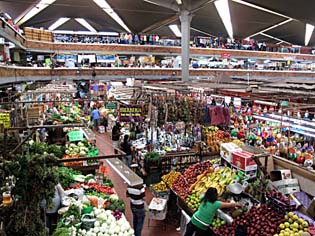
{"points": [[157, 209]]}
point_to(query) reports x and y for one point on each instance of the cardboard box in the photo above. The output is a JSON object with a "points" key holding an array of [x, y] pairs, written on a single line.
{"points": [[227, 149], [280, 175], [244, 161], [287, 186], [249, 173]]}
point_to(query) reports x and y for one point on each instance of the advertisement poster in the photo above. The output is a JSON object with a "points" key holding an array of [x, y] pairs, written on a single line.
{"points": [[129, 113]]}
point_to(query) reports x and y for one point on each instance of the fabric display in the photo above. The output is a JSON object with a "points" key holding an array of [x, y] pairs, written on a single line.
{"points": [[217, 115]]}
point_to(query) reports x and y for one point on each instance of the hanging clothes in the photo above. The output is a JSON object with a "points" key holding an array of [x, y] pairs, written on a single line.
{"points": [[227, 116], [216, 115]]}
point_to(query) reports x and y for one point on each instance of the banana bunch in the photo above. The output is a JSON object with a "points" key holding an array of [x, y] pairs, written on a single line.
{"points": [[218, 178], [238, 142]]}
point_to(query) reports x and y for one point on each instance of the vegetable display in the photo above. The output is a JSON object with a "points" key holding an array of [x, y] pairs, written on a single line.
{"points": [[99, 212]]}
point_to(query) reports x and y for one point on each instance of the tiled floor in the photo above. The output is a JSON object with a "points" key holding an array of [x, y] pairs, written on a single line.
{"points": [[155, 228]]}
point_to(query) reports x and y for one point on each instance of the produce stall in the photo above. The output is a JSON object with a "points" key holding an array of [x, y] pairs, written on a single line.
{"points": [[90, 207]]}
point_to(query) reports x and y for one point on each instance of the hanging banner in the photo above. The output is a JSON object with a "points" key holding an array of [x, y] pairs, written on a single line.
{"points": [[128, 113], [5, 120]]}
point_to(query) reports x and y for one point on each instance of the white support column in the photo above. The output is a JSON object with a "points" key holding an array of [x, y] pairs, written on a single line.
{"points": [[185, 19]]}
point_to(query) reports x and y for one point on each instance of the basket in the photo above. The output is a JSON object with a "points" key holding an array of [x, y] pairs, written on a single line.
{"points": [[164, 195], [87, 210], [86, 222]]}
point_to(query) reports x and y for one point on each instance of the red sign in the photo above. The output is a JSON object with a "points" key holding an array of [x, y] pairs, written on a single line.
{"points": [[226, 55]]}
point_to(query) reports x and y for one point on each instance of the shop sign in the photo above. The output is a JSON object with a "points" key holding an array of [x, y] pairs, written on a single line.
{"points": [[5, 120], [75, 135], [284, 103], [111, 105], [226, 55], [129, 113]]}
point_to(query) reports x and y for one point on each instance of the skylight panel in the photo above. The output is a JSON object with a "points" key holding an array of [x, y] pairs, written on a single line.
{"points": [[58, 23], [34, 11], [223, 9], [308, 33], [175, 30], [85, 24], [108, 9]]}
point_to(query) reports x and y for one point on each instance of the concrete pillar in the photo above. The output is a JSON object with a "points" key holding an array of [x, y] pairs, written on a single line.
{"points": [[185, 19]]}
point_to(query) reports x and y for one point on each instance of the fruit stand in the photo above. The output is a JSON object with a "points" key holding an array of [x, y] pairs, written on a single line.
{"points": [[276, 212]]}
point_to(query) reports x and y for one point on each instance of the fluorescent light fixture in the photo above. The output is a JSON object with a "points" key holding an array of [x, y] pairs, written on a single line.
{"points": [[7, 16], [175, 30], [308, 33], [271, 27], [34, 11], [85, 24], [223, 9], [260, 8], [266, 103], [179, 2], [85, 32], [281, 40], [58, 23], [108, 9]]}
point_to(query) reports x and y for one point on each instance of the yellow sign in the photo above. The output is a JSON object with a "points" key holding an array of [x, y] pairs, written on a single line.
{"points": [[5, 120]]}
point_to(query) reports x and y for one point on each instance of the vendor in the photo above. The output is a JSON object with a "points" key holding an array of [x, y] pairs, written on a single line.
{"points": [[202, 218], [116, 135], [126, 148]]}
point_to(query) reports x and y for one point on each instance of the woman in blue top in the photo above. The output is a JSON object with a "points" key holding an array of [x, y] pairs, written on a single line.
{"points": [[202, 218]]}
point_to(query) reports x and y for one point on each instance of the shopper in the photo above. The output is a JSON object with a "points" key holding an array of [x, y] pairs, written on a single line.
{"points": [[137, 205], [95, 117], [202, 218], [105, 122], [93, 74], [115, 136], [126, 148]]}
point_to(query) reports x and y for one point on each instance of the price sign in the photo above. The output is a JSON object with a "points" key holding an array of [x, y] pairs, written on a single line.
{"points": [[75, 135], [284, 103], [111, 105], [5, 120], [129, 113]]}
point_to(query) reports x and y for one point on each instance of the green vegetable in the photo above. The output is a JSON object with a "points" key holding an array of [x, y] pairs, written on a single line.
{"points": [[73, 210], [65, 175], [62, 231]]}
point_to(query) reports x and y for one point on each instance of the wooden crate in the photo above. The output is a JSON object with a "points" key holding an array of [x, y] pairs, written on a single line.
{"points": [[33, 112]]}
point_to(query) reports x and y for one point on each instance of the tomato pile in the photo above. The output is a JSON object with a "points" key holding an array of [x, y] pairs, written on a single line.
{"points": [[102, 189]]}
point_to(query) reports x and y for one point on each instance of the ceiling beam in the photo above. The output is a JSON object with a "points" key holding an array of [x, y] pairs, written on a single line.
{"points": [[161, 3], [197, 8], [203, 32], [278, 39], [159, 24], [260, 8], [271, 27]]}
